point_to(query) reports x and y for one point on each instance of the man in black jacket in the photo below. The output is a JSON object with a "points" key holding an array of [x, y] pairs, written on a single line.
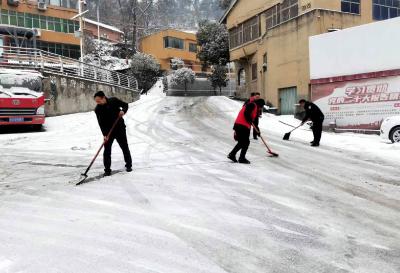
{"points": [[108, 110], [314, 114]]}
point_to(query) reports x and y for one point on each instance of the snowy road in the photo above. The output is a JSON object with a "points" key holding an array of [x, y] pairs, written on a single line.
{"points": [[185, 208]]}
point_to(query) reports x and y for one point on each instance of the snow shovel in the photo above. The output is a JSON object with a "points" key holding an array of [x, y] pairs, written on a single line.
{"points": [[265, 143], [84, 175], [287, 135]]}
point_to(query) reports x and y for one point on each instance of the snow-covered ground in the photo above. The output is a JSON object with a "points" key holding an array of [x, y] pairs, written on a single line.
{"points": [[186, 208]]}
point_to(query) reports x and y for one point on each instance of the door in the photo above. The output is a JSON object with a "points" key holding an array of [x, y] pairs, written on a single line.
{"points": [[287, 100]]}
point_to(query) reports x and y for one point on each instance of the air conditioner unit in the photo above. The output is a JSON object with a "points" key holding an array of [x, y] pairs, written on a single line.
{"points": [[41, 5], [38, 32], [14, 3]]}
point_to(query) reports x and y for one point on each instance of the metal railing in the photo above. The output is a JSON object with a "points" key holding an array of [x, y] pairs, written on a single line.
{"points": [[18, 57]]}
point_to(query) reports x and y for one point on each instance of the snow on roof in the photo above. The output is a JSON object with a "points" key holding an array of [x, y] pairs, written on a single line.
{"points": [[102, 25], [193, 31]]}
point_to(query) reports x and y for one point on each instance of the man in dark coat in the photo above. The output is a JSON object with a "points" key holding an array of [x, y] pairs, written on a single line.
{"points": [[242, 129], [314, 114], [108, 110]]}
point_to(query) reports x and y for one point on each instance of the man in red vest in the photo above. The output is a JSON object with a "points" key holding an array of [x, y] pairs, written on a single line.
{"points": [[242, 129]]}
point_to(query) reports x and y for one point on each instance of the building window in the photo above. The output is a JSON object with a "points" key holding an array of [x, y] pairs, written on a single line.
{"points": [[251, 29], [193, 47], [289, 9], [28, 20], [383, 10], [72, 4], [172, 42], [283, 12], [352, 6], [273, 16], [254, 71], [246, 32], [71, 51]]}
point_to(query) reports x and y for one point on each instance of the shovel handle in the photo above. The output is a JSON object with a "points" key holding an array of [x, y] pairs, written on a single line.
{"points": [[296, 128], [263, 140], [102, 145]]}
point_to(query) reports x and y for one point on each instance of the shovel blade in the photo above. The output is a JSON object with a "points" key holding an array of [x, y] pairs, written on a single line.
{"points": [[273, 154], [82, 179], [286, 136]]}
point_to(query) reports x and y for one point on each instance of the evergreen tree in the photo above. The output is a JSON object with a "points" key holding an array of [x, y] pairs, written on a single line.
{"points": [[183, 76], [146, 70], [219, 77], [213, 40]]}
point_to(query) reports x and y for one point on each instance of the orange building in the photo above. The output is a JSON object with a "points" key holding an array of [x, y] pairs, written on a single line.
{"points": [[168, 44], [50, 20], [107, 32]]}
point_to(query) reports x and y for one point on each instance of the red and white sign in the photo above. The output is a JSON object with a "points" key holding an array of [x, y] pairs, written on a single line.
{"points": [[358, 104]]}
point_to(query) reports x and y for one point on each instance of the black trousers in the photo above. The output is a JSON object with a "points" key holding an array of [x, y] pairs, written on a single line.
{"points": [[242, 136], [317, 130], [256, 122], [120, 135]]}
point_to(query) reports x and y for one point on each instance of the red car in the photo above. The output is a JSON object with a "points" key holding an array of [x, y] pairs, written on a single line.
{"points": [[21, 98]]}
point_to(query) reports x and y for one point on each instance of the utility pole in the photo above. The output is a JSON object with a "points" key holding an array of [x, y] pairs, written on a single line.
{"points": [[98, 20], [80, 16], [98, 28], [81, 27]]}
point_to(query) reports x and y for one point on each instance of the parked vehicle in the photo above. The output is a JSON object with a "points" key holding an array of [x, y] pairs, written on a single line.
{"points": [[21, 98], [390, 129]]}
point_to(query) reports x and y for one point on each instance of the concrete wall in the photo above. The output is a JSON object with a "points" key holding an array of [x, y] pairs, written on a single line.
{"points": [[69, 95], [201, 87]]}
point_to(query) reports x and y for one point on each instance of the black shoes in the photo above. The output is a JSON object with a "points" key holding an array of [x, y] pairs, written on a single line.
{"points": [[244, 161], [232, 157], [314, 144], [107, 173], [255, 138], [128, 169]]}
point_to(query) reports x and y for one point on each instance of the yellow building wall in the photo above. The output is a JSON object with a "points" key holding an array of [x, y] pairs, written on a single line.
{"points": [[245, 9], [154, 45], [287, 44], [53, 11]]}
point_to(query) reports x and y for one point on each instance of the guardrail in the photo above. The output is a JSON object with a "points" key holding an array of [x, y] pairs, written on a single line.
{"points": [[199, 93], [18, 57]]}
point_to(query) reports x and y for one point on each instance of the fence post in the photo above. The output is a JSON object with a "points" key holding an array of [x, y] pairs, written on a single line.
{"points": [[62, 65], [119, 79], [95, 73], [41, 61], [129, 82]]}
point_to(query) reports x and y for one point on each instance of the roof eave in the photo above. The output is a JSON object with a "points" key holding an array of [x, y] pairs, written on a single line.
{"points": [[223, 18]]}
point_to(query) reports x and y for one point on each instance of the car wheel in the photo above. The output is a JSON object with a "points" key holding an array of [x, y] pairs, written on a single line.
{"points": [[37, 127], [394, 135]]}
